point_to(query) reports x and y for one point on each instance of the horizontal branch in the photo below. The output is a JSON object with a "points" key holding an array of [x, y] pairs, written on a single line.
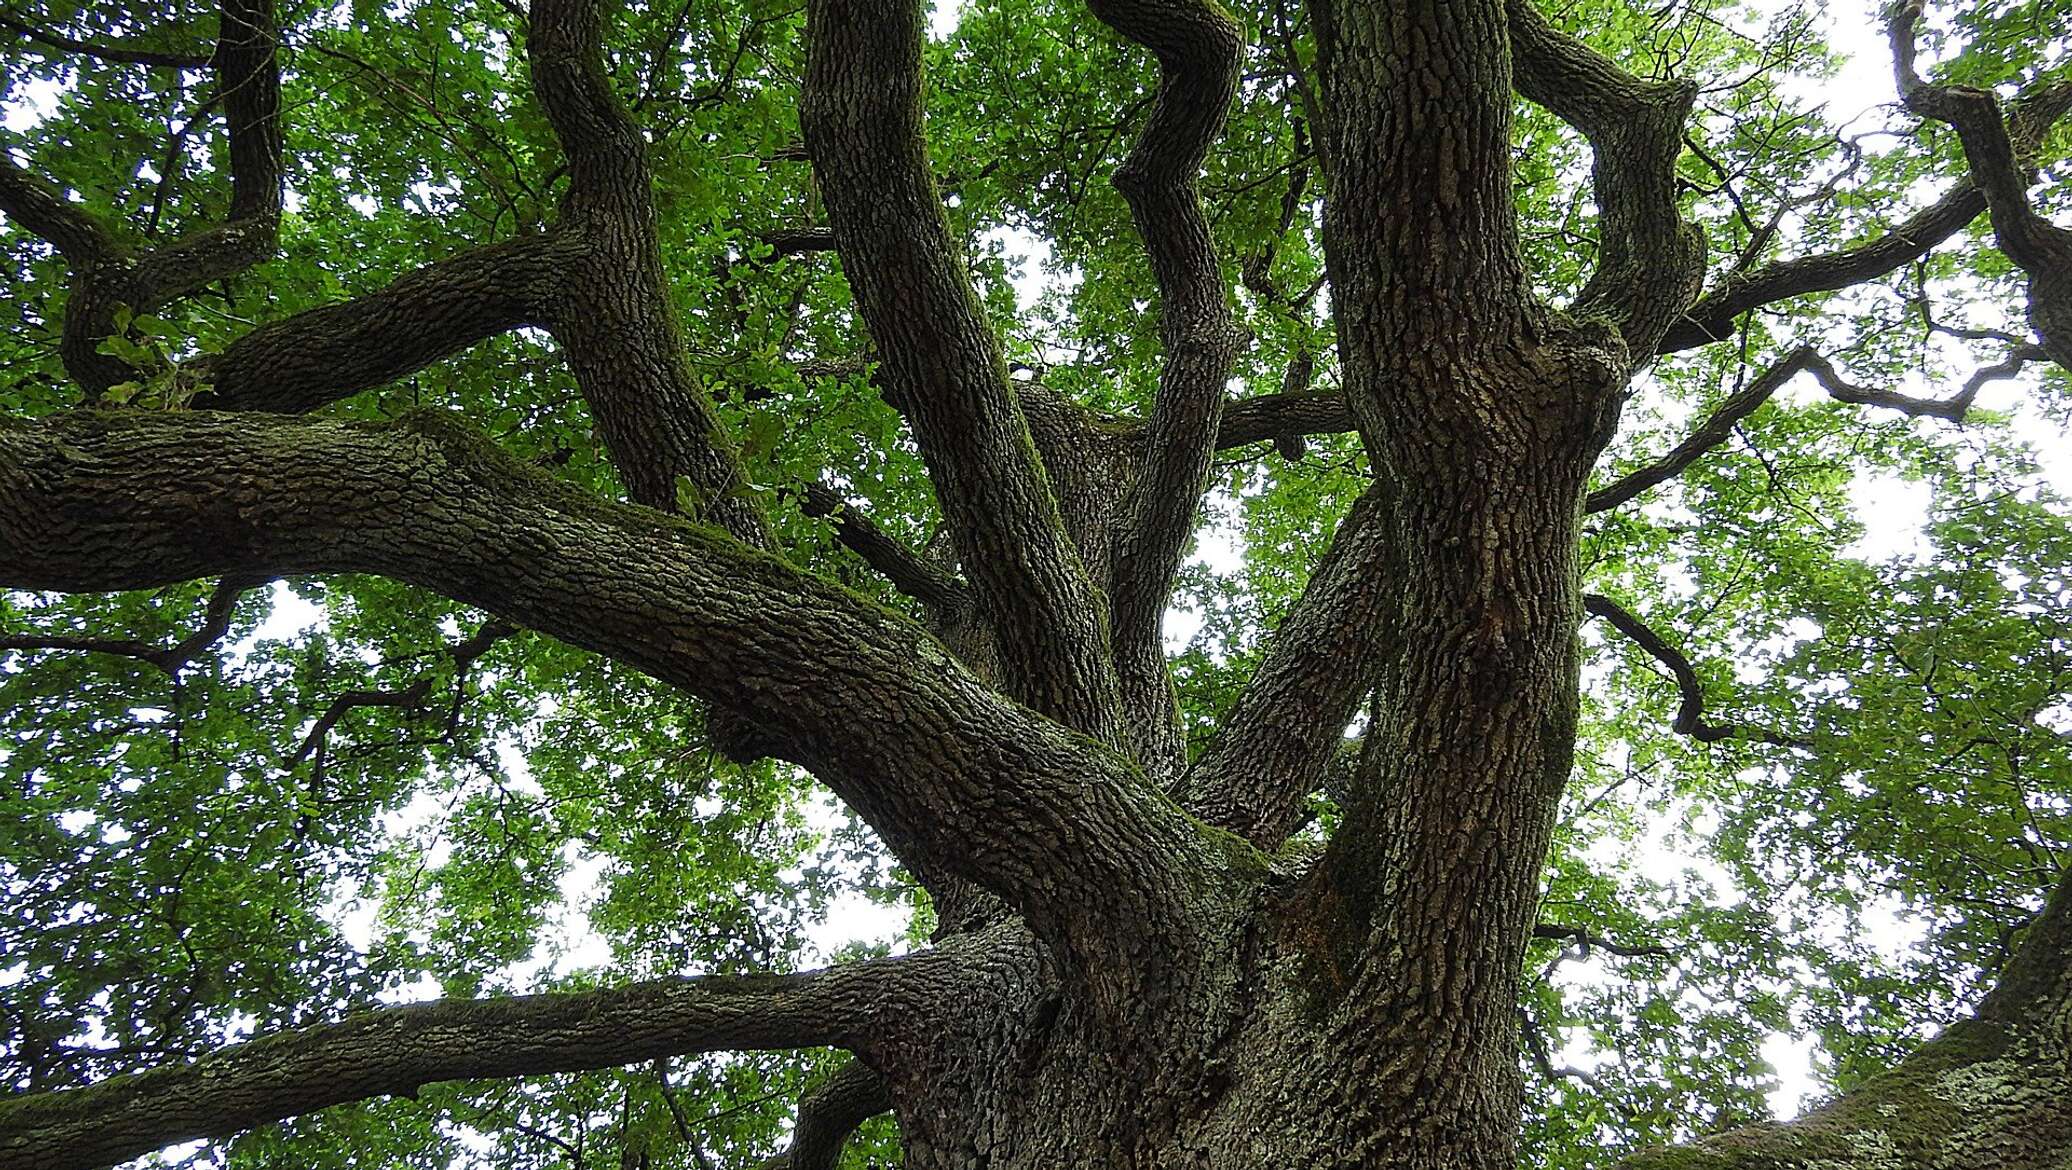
{"points": [[1690, 711], [1595, 942], [1801, 360], [952, 774], [118, 52], [411, 695], [331, 352], [395, 1051], [1279, 418], [170, 659]]}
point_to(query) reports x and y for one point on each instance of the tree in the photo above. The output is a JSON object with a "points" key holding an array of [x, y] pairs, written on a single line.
{"points": [[643, 394]]}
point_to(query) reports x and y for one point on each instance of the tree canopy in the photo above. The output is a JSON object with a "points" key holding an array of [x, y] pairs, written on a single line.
{"points": [[741, 460]]}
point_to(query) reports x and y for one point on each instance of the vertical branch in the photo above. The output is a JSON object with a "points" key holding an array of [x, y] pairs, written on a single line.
{"points": [[612, 311], [861, 108], [1199, 49]]}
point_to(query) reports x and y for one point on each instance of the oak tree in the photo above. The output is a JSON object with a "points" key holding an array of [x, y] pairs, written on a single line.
{"points": [[650, 400]]}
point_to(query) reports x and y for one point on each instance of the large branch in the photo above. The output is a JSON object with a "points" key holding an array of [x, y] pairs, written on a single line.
{"points": [[940, 363], [1288, 726], [1650, 261], [328, 353], [1198, 48], [2041, 248], [951, 774], [395, 1051], [1994, 1090], [613, 313]]}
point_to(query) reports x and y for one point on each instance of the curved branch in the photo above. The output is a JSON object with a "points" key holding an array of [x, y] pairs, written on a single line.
{"points": [[1199, 49], [334, 351], [950, 773], [612, 312], [1650, 261], [829, 1114], [940, 363], [170, 659], [44, 212], [1690, 710], [463, 655], [1801, 360], [2039, 247], [395, 1051]]}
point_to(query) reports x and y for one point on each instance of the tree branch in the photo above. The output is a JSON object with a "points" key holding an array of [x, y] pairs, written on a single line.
{"points": [[397, 1050], [463, 655], [1650, 261], [1198, 48], [940, 363], [924, 582], [1282, 418], [1690, 711], [43, 211], [334, 351], [1289, 724], [1595, 942], [120, 53], [2041, 248], [1801, 360], [170, 659], [950, 774], [829, 1114]]}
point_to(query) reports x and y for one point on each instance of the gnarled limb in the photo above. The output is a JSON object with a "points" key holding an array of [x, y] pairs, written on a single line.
{"points": [[940, 363], [1650, 261], [1993, 1090], [828, 1114], [171, 659], [1198, 48], [2041, 248], [954, 777], [394, 1051], [1801, 360], [1690, 709]]}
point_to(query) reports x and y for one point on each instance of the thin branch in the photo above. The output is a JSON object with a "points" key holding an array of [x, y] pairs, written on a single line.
{"points": [[463, 655], [124, 54], [170, 659], [1690, 711], [1801, 360], [1583, 938]]}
